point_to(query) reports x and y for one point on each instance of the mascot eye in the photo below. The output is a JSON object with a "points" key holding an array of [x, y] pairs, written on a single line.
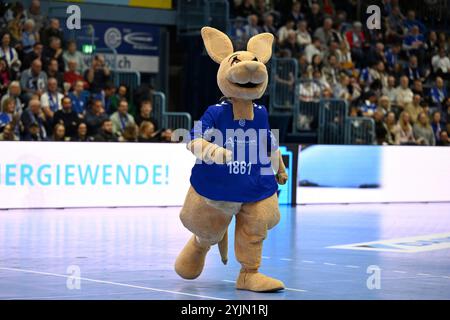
{"points": [[235, 60]]}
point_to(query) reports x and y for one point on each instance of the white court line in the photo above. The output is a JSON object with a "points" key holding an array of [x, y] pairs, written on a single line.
{"points": [[424, 274], [308, 261], [111, 283], [285, 259], [329, 264], [352, 266], [289, 289], [265, 257], [445, 277], [399, 271]]}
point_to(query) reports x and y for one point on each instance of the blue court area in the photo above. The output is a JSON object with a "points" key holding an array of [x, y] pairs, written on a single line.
{"points": [[128, 253]]}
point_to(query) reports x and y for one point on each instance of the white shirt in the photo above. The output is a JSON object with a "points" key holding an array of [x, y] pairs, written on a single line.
{"points": [[47, 100], [441, 63]]}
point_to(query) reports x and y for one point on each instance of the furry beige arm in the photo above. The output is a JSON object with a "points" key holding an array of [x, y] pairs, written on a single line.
{"points": [[209, 152], [279, 167]]}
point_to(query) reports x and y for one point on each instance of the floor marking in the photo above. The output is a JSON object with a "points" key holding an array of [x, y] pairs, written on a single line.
{"points": [[111, 283], [288, 289], [446, 277], [352, 266], [399, 271], [265, 257], [424, 274], [308, 261], [329, 264], [286, 259]]}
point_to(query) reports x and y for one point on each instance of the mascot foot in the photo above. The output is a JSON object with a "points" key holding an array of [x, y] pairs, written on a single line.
{"points": [[255, 281], [191, 260]]}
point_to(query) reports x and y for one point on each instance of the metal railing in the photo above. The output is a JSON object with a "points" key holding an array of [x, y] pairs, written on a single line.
{"points": [[360, 130], [172, 120], [283, 93], [332, 121]]}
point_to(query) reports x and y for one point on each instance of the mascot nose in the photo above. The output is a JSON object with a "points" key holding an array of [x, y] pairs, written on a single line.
{"points": [[252, 66]]}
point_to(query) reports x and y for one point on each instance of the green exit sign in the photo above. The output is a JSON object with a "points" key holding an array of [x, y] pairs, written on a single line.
{"points": [[87, 48]]}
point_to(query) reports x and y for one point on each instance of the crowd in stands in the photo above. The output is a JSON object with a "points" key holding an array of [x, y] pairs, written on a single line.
{"points": [[49, 91], [398, 75]]}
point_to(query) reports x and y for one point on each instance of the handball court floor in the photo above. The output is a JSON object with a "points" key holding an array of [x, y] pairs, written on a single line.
{"points": [[128, 253]]}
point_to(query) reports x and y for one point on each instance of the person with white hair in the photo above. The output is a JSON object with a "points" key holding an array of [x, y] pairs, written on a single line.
{"points": [[14, 91], [29, 36]]}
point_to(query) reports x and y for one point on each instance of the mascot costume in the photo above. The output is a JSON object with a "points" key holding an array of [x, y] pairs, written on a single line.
{"points": [[221, 186]]}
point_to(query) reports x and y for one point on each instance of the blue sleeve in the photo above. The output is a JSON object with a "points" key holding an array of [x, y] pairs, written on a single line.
{"points": [[201, 127]]}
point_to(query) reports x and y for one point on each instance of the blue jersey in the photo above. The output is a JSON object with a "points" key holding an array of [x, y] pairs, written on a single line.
{"points": [[247, 178]]}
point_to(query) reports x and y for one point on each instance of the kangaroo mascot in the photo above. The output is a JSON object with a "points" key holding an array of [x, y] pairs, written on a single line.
{"points": [[222, 186]]}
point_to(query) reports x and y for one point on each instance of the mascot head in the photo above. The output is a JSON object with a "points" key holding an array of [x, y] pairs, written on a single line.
{"points": [[242, 74]]}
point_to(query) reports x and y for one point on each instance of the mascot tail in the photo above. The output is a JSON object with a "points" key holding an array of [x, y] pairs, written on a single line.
{"points": [[223, 248]]}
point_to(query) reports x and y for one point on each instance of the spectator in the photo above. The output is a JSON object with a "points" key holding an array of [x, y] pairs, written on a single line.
{"points": [[147, 132], [384, 105], [130, 133], [72, 54], [95, 116], [81, 135], [53, 30], [5, 76], [71, 76], [284, 30], [303, 36], [444, 140], [369, 105], [412, 71], [34, 13], [15, 27], [404, 95], [296, 15], [33, 81], [34, 116], [121, 118], [411, 22], [105, 133], [437, 124], [8, 53], [53, 51], [315, 18], [423, 132], [67, 117], [245, 9], [313, 49], [8, 115], [8, 134], [145, 114], [392, 55], [268, 25], [390, 90], [395, 23], [251, 29], [79, 98], [414, 43], [59, 133], [106, 96], [36, 53], [29, 36], [405, 131], [98, 74], [441, 64], [326, 34], [418, 88], [122, 93], [381, 130], [51, 99], [414, 108], [438, 92], [331, 70], [355, 38], [392, 136], [53, 72], [14, 91], [290, 44]]}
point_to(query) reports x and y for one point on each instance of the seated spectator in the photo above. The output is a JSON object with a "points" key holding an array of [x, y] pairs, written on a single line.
{"points": [[71, 54], [390, 90], [381, 130], [33, 81], [391, 124], [404, 95], [444, 140], [268, 25], [369, 105], [34, 133], [418, 88], [98, 75], [392, 56], [313, 49], [67, 117], [315, 17], [378, 72], [53, 51], [331, 70], [145, 114], [122, 93], [52, 31], [106, 96], [414, 43], [245, 9], [34, 13], [36, 53], [384, 105], [412, 71], [53, 72], [59, 133], [51, 99], [130, 133], [34, 115], [8, 134], [14, 92], [437, 124], [29, 36], [438, 92], [405, 131], [395, 23], [290, 44], [341, 90], [414, 108], [326, 34], [355, 38], [121, 118], [344, 56], [309, 90], [72, 75], [411, 22], [79, 98], [296, 14], [251, 28], [81, 135], [285, 29], [441, 64], [147, 132], [423, 133], [95, 117], [8, 115], [9, 53], [105, 133], [303, 36], [5, 76]]}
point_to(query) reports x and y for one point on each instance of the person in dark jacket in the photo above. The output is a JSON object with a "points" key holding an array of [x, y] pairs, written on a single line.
{"points": [[68, 117], [106, 133]]}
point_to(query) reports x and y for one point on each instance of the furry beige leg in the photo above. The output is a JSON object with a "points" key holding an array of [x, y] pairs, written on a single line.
{"points": [[252, 223], [208, 224]]}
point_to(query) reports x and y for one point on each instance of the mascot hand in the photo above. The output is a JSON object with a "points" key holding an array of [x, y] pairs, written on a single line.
{"points": [[281, 177], [222, 156]]}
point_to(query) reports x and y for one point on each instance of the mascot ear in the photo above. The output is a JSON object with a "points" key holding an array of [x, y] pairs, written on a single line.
{"points": [[217, 44], [261, 46]]}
